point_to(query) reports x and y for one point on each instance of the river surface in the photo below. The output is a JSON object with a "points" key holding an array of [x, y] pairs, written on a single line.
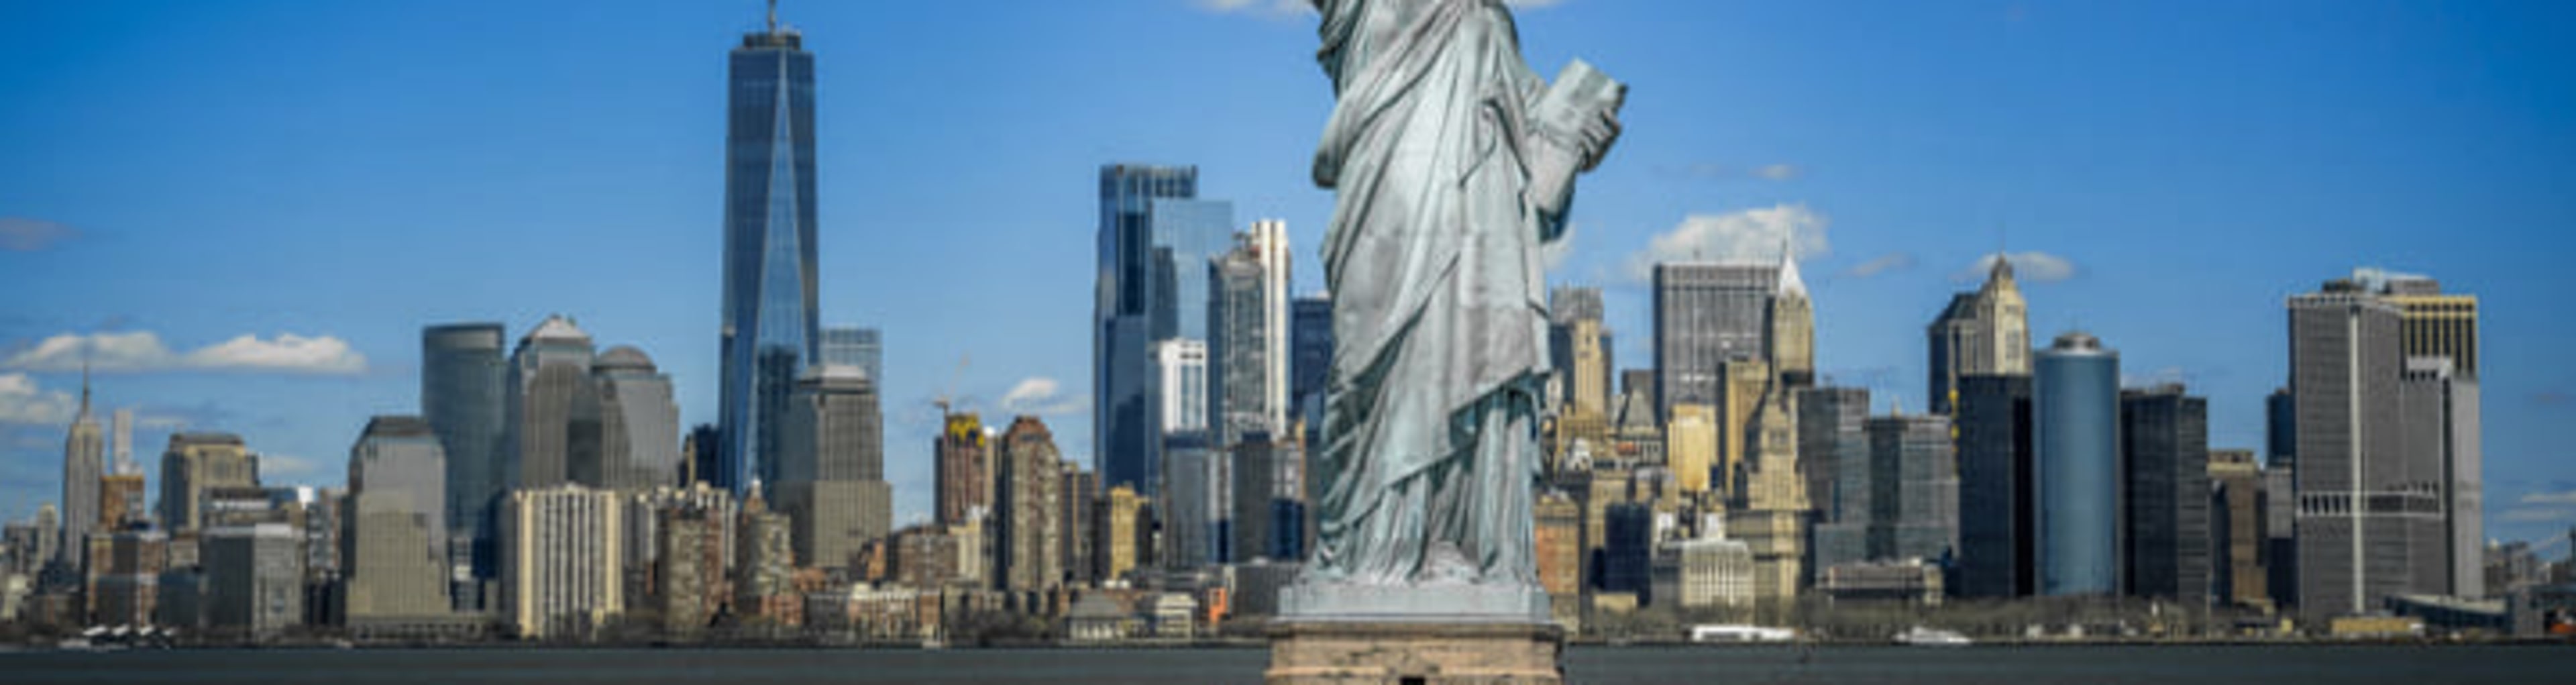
{"points": [[2199, 665]]}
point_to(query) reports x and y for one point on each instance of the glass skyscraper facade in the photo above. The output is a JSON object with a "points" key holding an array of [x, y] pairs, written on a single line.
{"points": [[769, 282], [2075, 405], [855, 346], [463, 377], [1155, 241]]}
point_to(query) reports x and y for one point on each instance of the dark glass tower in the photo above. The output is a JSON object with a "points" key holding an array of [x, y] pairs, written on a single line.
{"points": [[769, 310], [463, 378], [1154, 244]]}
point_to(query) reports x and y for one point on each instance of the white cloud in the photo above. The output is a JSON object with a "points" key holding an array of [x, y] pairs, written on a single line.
{"points": [[1040, 395], [144, 351], [18, 234], [2564, 497], [1752, 235], [1893, 261], [21, 401], [1777, 172], [2028, 267], [279, 465]]}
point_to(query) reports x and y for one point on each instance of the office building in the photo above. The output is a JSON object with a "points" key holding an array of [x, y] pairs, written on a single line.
{"points": [[698, 452], [1986, 332], [1709, 572], [1269, 498], [962, 462], [194, 465], [638, 424], [1792, 338], [1628, 530], [2164, 455], [1154, 243], [2237, 508], [395, 551], [1180, 392], [1310, 356], [857, 346], [254, 578], [1916, 483], [1744, 386], [464, 377], [1247, 335], [1197, 504], [561, 560], [2438, 409], [770, 323], [1028, 489], [549, 387], [1770, 511], [1579, 345], [121, 501], [1997, 505], [1077, 493], [2075, 438], [831, 468], [1831, 434], [764, 563], [1124, 525], [1705, 316], [1691, 446], [2351, 472], [84, 454]]}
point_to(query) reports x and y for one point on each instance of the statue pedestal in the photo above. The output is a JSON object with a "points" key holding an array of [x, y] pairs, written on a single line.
{"points": [[1401, 635]]}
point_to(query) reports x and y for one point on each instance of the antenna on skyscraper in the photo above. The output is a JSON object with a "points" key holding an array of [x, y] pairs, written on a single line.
{"points": [[773, 16]]}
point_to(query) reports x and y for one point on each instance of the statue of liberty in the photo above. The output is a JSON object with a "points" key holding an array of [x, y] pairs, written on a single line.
{"points": [[1453, 163]]}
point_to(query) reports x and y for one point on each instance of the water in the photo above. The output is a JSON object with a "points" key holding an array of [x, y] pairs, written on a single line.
{"points": [[2217, 665]]}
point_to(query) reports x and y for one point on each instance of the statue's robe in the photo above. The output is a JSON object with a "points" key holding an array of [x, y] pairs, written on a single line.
{"points": [[1439, 316]]}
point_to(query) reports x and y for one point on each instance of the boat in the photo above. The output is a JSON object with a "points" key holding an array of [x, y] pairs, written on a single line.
{"points": [[1920, 636], [1736, 633]]}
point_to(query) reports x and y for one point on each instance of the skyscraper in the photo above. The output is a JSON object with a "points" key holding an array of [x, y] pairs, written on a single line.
{"points": [[2354, 506], [2075, 435], [396, 551], [1792, 334], [770, 320], [1916, 463], [1770, 507], [1028, 487], [83, 463], [1982, 332], [1705, 316], [963, 469], [1579, 344], [1247, 339], [1310, 356], [462, 379], [1180, 386], [194, 465], [549, 387], [639, 424], [1832, 433], [831, 470], [2439, 411], [254, 578], [561, 560], [2236, 523], [1996, 508], [855, 346], [2164, 454], [1154, 243]]}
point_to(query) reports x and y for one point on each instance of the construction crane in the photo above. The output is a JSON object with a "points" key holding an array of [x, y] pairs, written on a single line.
{"points": [[949, 393]]}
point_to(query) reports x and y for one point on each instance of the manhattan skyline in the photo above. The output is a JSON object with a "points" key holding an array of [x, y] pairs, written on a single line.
{"points": [[179, 172]]}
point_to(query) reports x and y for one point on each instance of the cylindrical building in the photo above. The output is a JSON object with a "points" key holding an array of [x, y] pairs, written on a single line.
{"points": [[2076, 440]]}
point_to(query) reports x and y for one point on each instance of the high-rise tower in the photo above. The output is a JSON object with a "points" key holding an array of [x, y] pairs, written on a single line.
{"points": [[770, 324], [83, 464], [1986, 332], [1154, 242]]}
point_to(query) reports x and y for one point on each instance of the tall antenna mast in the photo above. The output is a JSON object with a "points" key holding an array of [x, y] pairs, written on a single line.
{"points": [[773, 16]]}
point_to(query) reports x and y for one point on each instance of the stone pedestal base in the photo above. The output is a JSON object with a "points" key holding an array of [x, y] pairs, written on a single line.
{"points": [[1405, 653]]}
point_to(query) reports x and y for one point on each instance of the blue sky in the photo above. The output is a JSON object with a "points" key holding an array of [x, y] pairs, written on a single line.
{"points": [[328, 177]]}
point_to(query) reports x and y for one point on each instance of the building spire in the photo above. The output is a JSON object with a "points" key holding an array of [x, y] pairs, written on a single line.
{"points": [[773, 16], [85, 355], [1790, 283]]}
